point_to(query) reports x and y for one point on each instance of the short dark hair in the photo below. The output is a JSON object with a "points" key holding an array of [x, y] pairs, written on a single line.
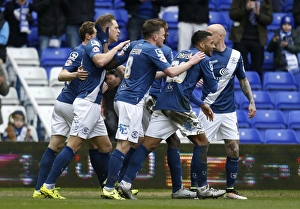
{"points": [[151, 26], [199, 36], [86, 27]]}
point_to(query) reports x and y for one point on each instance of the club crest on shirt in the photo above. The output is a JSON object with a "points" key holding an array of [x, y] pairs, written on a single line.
{"points": [[73, 56], [96, 49], [95, 43]]}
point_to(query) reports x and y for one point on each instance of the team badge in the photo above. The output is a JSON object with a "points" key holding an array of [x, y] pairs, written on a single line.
{"points": [[73, 56], [85, 130], [68, 63], [96, 49]]}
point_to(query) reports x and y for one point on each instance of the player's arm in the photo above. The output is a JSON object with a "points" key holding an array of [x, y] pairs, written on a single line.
{"points": [[246, 88], [102, 59], [173, 71]]}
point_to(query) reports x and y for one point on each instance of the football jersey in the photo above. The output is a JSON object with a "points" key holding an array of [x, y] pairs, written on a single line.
{"points": [[91, 88], [70, 91], [143, 62], [178, 90], [122, 57], [226, 65]]}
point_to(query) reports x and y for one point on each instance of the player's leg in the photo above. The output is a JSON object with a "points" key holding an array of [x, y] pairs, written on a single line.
{"points": [[229, 132], [61, 121], [130, 119]]}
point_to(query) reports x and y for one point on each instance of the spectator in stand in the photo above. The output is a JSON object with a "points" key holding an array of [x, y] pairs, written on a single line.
{"points": [[276, 5], [249, 30], [17, 130], [79, 12], [139, 11], [18, 15], [4, 36], [193, 15], [296, 13], [286, 45], [51, 22]]}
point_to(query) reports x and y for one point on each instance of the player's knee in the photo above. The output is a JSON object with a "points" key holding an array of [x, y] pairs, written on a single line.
{"points": [[173, 142]]}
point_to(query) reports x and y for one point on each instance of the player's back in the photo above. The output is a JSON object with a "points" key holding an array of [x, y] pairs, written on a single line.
{"points": [[143, 62], [70, 91], [177, 91]]}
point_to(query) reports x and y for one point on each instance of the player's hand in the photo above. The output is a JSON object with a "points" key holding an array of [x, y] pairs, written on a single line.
{"points": [[121, 45], [197, 58], [252, 110], [199, 83], [101, 35], [207, 111], [82, 74]]}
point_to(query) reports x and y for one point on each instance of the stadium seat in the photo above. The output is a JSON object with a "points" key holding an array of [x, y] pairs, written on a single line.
{"points": [[171, 17], [11, 98], [250, 136], [33, 133], [274, 81], [43, 95], [104, 3], [24, 56], [268, 64], [53, 79], [172, 40], [213, 5], [243, 120], [254, 80], [224, 5], [294, 119], [280, 136], [52, 57], [275, 25], [262, 100], [218, 18], [33, 37], [288, 6], [34, 76], [119, 4], [287, 101], [268, 119]]}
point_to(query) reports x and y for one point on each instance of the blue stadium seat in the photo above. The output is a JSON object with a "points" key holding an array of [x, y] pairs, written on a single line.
{"points": [[213, 5], [294, 122], [262, 100], [268, 64], [250, 136], [118, 4], [243, 120], [224, 5], [104, 3], [218, 18], [294, 119], [268, 119], [274, 81], [52, 57], [171, 17], [275, 25], [280, 136], [288, 6], [287, 101], [254, 80], [172, 40]]}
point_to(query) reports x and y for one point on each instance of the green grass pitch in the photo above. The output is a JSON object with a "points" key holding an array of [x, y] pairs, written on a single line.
{"points": [[79, 198]]}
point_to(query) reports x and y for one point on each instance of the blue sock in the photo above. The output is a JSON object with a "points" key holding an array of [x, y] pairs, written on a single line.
{"points": [[175, 168], [100, 163], [200, 164], [61, 162], [194, 181], [115, 165], [231, 171], [136, 163], [45, 167], [125, 163]]}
